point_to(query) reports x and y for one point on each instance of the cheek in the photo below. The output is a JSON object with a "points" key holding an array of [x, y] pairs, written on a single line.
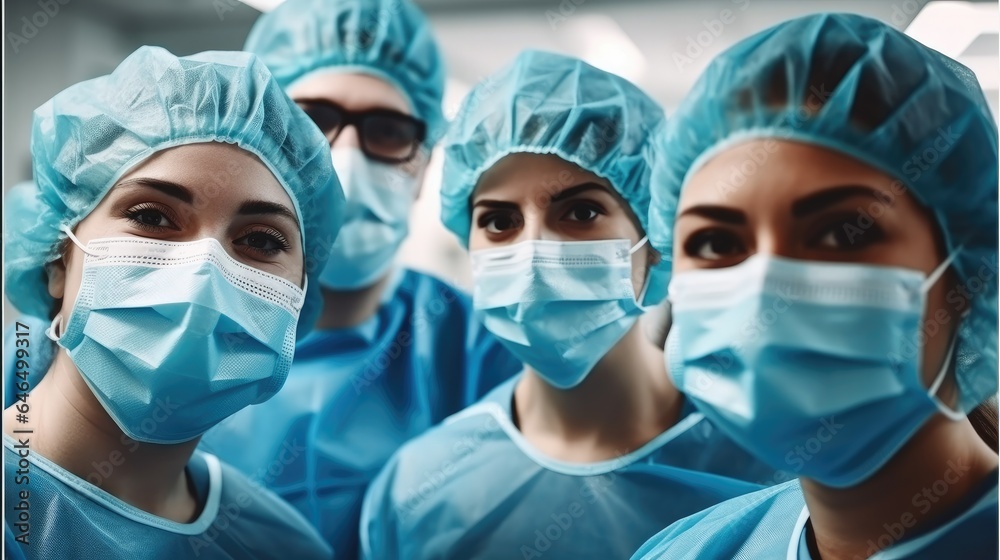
{"points": [[72, 279]]}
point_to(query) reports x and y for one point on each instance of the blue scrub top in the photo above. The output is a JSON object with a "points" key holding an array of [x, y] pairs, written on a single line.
{"points": [[69, 517], [475, 488], [353, 396], [774, 523]]}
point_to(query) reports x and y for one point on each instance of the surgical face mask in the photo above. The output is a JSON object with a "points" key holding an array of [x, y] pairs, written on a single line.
{"points": [[174, 337], [558, 306], [379, 198], [812, 367]]}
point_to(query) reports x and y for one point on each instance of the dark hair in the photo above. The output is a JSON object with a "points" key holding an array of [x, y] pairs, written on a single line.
{"points": [[984, 419]]}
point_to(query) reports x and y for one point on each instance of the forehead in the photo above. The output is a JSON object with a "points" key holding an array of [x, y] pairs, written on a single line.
{"points": [[531, 174], [354, 91], [764, 171], [213, 171]]}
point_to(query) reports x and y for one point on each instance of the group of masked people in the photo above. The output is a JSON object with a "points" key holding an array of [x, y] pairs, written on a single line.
{"points": [[218, 355]]}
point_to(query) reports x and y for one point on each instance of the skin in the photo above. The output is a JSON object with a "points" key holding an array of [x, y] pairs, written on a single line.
{"points": [[778, 211], [356, 92], [543, 197], [71, 428]]}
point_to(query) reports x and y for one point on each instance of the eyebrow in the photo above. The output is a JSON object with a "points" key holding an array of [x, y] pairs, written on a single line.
{"points": [[264, 207], [168, 188], [573, 191], [828, 197], [496, 204], [717, 213], [568, 193]]}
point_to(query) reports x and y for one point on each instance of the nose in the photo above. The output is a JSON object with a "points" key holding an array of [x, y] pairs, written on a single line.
{"points": [[770, 242], [348, 138]]}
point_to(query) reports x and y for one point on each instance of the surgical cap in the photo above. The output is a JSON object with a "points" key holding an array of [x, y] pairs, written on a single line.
{"points": [[88, 136], [387, 39], [856, 86], [546, 103]]}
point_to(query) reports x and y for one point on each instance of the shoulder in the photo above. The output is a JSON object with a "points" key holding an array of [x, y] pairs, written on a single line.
{"points": [[444, 447], [265, 519], [756, 525]]}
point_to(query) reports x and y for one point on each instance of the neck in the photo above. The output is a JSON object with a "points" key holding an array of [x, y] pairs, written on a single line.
{"points": [[349, 308], [72, 429], [902, 497], [624, 402]]}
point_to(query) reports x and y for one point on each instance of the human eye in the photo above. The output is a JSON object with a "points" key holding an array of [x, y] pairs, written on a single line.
{"points": [[845, 233], [150, 217], [263, 241], [583, 211], [714, 245], [499, 222]]}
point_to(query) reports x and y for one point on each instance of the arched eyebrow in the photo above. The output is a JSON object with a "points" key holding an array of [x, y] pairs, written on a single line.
{"points": [[573, 191], [828, 197], [718, 213], [168, 188], [266, 207]]}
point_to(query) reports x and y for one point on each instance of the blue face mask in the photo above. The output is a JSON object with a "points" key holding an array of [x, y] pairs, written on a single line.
{"points": [[174, 337], [812, 367], [558, 306], [379, 198]]}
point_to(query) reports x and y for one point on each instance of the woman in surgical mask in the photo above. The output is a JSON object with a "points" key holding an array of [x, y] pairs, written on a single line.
{"points": [[395, 351], [171, 239], [547, 182], [828, 193]]}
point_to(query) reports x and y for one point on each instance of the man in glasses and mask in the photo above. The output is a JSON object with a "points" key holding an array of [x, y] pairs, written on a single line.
{"points": [[395, 351]]}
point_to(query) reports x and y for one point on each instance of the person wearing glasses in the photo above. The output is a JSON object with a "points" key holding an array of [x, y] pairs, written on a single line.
{"points": [[828, 193], [591, 447], [170, 235], [396, 351]]}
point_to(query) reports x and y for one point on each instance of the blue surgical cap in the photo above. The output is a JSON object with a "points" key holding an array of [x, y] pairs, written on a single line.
{"points": [[387, 39], [546, 103], [88, 136], [859, 87]]}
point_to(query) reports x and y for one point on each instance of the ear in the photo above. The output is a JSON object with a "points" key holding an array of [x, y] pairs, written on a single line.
{"points": [[56, 272], [652, 256]]}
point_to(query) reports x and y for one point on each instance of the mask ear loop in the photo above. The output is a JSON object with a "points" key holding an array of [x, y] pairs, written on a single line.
{"points": [[645, 283], [932, 279], [55, 325], [939, 380], [77, 242]]}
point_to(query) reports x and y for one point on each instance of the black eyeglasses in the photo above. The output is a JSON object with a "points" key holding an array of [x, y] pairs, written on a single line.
{"points": [[385, 135]]}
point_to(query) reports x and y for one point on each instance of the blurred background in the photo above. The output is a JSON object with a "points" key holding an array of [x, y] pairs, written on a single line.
{"points": [[660, 45]]}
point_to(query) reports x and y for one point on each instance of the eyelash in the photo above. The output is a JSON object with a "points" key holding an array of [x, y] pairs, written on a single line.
{"points": [[273, 234], [132, 214], [871, 234], [593, 206]]}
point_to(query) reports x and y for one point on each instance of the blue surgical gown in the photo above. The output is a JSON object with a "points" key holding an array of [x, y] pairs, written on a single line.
{"points": [[772, 523], [475, 488], [354, 396], [65, 516]]}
